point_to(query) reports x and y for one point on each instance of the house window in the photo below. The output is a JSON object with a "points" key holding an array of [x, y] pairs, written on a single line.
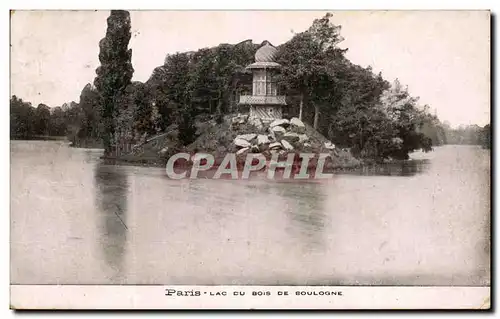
{"points": [[259, 83], [271, 84]]}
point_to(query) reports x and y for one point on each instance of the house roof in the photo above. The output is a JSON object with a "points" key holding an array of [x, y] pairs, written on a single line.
{"points": [[266, 53], [264, 65]]}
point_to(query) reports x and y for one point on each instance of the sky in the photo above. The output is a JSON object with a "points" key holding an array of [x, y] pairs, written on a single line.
{"points": [[442, 56]]}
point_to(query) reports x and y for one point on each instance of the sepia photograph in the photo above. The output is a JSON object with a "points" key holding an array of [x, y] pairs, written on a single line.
{"points": [[250, 159]]}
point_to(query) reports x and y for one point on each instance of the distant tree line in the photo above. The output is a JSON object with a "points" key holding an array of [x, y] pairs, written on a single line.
{"points": [[467, 135], [26, 121], [347, 103]]}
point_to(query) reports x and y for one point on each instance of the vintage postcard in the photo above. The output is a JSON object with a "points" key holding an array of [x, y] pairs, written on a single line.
{"points": [[250, 159]]}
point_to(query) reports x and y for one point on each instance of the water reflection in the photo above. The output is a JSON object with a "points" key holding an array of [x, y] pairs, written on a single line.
{"points": [[430, 229], [304, 206], [407, 168], [111, 198]]}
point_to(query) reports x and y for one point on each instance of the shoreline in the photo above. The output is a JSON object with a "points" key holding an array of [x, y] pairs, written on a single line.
{"points": [[158, 162], [338, 169]]}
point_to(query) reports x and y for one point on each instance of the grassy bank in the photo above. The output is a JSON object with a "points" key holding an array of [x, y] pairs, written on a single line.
{"points": [[218, 139], [38, 138]]}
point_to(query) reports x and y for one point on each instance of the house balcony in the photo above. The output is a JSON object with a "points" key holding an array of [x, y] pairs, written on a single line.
{"points": [[262, 100]]}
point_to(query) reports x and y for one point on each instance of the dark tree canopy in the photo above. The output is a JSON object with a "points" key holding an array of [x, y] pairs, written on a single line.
{"points": [[349, 104], [115, 72]]}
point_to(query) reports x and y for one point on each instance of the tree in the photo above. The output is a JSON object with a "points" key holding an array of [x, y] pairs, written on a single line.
{"points": [[308, 61], [115, 71], [22, 118], [486, 136], [42, 119], [187, 129], [408, 118], [91, 108], [156, 119], [57, 123], [169, 87]]}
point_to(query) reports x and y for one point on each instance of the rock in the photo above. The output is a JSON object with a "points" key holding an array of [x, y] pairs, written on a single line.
{"points": [[291, 137], [303, 138], [287, 145], [278, 131], [255, 149], [163, 151], [246, 137], [307, 144], [329, 145], [280, 122], [263, 147], [297, 125], [262, 139], [243, 150], [255, 121], [275, 145], [239, 119], [241, 143], [271, 135]]}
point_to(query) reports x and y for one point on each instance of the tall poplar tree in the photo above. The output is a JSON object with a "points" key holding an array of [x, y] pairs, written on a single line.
{"points": [[116, 70]]}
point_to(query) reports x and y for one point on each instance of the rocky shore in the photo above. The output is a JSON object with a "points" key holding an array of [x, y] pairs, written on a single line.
{"points": [[242, 135]]}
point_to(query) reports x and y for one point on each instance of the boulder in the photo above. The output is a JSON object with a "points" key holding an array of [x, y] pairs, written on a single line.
{"points": [[241, 143], [307, 144], [263, 147], [280, 122], [246, 137], [239, 119], [262, 139], [303, 138], [287, 145], [329, 145], [275, 145], [271, 135], [255, 121], [243, 150], [163, 151], [297, 125], [255, 149], [291, 137], [278, 131]]}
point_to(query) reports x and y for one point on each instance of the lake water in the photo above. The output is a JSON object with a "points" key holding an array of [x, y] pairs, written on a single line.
{"points": [[75, 220]]}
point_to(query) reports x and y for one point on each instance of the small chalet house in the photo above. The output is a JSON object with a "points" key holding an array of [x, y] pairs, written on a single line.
{"points": [[264, 103]]}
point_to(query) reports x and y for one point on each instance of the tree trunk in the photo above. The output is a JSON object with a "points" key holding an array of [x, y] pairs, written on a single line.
{"points": [[301, 107], [219, 107], [316, 116]]}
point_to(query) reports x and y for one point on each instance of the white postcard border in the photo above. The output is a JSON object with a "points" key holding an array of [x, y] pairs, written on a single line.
{"points": [[247, 297]]}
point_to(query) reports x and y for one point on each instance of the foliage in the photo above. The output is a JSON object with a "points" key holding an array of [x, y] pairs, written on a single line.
{"points": [[91, 113], [485, 137], [115, 72], [349, 104]]}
